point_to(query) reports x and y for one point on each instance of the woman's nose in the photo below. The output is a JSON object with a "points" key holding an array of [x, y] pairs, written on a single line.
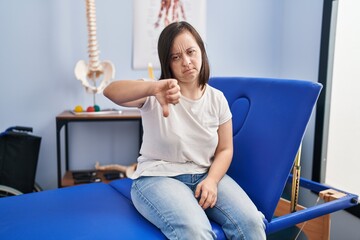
{"points": [[186, 60]]}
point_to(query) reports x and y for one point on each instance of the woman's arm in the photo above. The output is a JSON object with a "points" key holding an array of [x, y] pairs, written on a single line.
{"points": [[129, 93], [133, 93], [223, 153], [207, 189]]}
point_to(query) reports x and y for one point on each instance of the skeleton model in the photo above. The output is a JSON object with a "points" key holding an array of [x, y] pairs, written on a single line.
{"points": [[166, 6], [95, 68]]}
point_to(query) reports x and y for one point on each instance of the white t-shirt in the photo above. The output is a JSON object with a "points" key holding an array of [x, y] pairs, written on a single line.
{"points": [[185, 141]]}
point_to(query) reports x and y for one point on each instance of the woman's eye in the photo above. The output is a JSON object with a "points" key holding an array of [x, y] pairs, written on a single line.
{"points": [[175, 58], [191, 52]]}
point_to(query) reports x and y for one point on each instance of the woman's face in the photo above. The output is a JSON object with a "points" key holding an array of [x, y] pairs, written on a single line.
{"points": [[185, 58]]}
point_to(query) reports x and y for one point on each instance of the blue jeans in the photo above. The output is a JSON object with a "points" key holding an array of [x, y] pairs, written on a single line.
{"points": [[169, 203]]}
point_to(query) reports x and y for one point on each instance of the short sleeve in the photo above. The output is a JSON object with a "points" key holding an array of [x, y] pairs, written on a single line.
{"points": [[224, 113]]}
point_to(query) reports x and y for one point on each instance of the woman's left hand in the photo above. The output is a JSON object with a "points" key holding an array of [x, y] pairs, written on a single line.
{"points": [[206, 192]]}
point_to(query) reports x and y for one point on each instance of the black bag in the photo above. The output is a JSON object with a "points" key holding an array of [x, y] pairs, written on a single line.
{"points": [[19, 152]]}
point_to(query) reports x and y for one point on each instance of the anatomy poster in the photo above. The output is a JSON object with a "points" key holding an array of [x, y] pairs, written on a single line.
{"points": [[150, 18]]}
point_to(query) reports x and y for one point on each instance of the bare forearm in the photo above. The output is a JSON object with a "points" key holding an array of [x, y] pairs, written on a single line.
{"points": [[129, 92], [207, 189], [223, 153], [220, 165]]}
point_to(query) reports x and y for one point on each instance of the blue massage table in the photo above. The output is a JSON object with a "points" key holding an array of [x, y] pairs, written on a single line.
{"points": [[270, 117]]}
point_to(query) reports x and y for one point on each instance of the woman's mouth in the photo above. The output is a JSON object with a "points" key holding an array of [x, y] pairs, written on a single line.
{"points": [[188, 70]]}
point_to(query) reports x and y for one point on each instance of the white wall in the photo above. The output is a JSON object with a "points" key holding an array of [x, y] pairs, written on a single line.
{"points": [[342, 160]]}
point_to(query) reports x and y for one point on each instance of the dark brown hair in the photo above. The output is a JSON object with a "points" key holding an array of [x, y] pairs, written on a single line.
{"points": [[165, 43]]}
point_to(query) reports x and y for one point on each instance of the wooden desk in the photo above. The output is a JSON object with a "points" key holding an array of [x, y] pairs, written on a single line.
{"points": [[66, 117], [68, 180]]}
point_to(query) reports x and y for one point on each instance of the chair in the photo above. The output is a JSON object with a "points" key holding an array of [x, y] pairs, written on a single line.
{"points": [[19, 151], [270, 117]]}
